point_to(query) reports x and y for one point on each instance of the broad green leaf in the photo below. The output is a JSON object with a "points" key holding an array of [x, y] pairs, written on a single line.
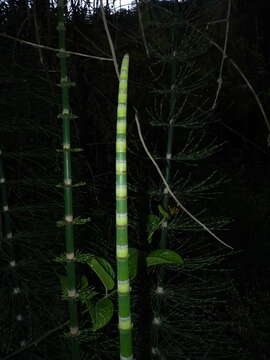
{"points": [[163, 256], [106, 266], [132, 263], [163, 212], [101, 313], [102, 272], [86, 296]]}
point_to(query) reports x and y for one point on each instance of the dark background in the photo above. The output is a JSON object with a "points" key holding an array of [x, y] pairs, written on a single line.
{"points": [[30, 134]]}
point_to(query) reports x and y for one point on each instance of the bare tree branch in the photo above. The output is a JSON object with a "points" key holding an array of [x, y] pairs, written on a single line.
{"points": [[142, 28], [109, 39], [224, 55], [256, 97], [53, 49]]}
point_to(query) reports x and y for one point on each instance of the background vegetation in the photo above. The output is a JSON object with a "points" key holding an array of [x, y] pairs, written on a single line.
{"points": [[217, 306]]}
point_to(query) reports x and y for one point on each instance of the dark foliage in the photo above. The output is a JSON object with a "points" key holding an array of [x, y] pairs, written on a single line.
{"points": [[30, 135]]}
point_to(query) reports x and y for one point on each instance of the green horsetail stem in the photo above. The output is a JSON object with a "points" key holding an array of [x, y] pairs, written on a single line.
{"points": [[125, 325], [164, 243], [7, 233], [66, 116], [7, 238]]}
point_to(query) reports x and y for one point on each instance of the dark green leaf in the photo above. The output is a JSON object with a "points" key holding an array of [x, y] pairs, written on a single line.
{"points": [[102, 272], [163, 256], [163, 212], [101, 313], [106, 266], [86, 296], [153, 223]]}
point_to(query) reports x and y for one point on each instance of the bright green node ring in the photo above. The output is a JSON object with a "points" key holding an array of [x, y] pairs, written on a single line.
{"points": [[121, 145], [122, 251], [121, 219], [124, 74], [124, 68], [122, 98], [121, 191], [126, 357], [121, 127], [125, 324], [123, 85], [121, 111], [121, 167], [123, 288]]}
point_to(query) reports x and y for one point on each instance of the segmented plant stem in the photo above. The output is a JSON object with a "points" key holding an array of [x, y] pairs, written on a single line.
{"points": [[165, 201], [164, 233], [125, 325], [6, 229], [7, 240], [163, 244], [66, 116]]}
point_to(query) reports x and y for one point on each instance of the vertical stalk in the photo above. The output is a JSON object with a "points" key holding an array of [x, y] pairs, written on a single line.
{"points": [[164, 232], [7, 237], [125, 332], [163, 244], [6, 230], [66, 116]]}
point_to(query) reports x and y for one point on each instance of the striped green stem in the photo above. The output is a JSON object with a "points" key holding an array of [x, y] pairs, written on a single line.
{"points": [[125, 325], [66, 116]]}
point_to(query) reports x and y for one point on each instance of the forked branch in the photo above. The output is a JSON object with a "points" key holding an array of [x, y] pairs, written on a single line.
{"points": [[224, 55]]}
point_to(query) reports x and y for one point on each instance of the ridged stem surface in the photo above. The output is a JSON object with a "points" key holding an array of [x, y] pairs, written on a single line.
{"points": [[123, 288], [13, 270], [163, 244], [66, 116]]}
